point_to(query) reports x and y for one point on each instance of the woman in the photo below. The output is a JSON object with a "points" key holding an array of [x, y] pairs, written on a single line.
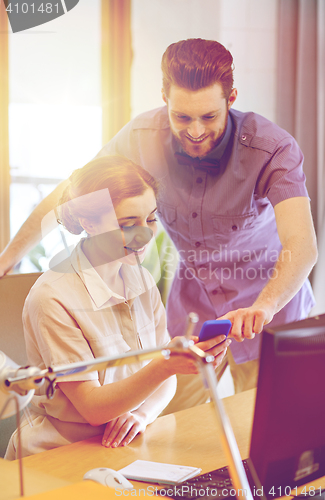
{"points": [[102, 303]]}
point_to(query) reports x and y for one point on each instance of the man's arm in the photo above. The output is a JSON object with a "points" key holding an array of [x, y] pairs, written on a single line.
{"points": [[30, 233], [296, 260]]}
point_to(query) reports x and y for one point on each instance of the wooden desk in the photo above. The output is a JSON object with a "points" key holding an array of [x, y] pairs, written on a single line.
{"points": [[34, 482], [188, 437]]}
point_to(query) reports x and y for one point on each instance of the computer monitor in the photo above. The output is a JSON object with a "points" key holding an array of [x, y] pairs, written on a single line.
{"points": [[288, 438]]}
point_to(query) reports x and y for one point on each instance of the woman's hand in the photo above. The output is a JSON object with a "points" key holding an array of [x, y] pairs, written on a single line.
{"points": [[122, 430], [217, 346]]}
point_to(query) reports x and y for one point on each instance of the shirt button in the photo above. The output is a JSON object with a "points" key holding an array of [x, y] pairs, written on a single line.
{"points": [[214, 292], [234, 228], [197, 244], [194, 215], [199, 180], [244, 137]]}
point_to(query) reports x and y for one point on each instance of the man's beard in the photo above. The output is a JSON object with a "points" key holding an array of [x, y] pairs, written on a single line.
{"points": [[195, 150]]}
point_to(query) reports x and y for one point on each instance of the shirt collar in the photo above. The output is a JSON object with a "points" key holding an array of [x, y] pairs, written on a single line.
{"points": [[134, 280], [97, 289], [219, 150]]}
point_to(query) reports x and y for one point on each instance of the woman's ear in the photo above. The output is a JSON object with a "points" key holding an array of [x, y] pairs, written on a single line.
{"points": [[88, 225]]}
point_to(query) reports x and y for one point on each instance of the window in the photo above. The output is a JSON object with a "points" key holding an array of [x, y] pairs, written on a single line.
{"points": [[55, 114]]}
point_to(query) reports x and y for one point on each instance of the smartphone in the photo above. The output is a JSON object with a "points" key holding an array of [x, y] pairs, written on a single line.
{"points": [[213, 328]]}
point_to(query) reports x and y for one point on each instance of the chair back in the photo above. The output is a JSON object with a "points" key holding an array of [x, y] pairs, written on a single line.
{"points": [[14, 289]]}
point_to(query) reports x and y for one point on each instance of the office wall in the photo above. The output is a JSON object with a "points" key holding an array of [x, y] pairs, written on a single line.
{"points": [[248, 28]]}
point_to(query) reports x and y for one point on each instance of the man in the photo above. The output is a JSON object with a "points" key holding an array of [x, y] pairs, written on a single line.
{"points": [[233, 200]]}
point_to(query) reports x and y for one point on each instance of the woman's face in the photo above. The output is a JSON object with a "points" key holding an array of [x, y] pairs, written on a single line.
{"points": [[125, 235]]}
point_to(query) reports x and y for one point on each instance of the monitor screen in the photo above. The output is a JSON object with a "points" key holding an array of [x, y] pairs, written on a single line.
{"points": [[288, 438]]}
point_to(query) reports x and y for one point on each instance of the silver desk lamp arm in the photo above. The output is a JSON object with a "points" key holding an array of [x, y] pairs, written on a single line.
{"points": [[235, 465]]}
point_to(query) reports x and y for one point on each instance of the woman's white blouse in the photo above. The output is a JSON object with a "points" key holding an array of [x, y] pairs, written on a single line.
{"points": [[72, 316]]}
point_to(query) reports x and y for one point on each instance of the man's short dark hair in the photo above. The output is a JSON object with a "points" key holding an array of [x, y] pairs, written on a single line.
{"points": [[195, 64]]}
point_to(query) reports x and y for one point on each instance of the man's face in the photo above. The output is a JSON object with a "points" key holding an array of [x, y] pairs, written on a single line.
{"points": [[198, 118]]}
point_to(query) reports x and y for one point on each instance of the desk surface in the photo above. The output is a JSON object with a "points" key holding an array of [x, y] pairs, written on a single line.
{"points": [[188, 437], [34, 482]]}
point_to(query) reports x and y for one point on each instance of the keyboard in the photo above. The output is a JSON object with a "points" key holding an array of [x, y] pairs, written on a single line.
{"points": [[215, 485]]}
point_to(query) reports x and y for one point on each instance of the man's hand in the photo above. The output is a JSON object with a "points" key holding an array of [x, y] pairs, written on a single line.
{"points": [[5, 264], [248, 321], [122, 430], [3, 271]]}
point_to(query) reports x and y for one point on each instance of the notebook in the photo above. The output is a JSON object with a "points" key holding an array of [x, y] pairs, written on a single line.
{"points": [[156, 472]]}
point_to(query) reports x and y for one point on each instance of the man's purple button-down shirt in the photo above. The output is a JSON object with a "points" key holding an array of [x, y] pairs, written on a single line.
{"points": [[221, 219]]}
